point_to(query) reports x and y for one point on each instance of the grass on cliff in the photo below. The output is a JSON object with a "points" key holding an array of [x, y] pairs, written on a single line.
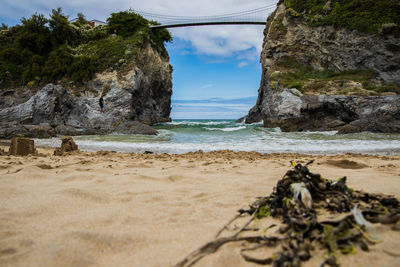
{"points": [[369, 16], [309, 80], [41, 50]]}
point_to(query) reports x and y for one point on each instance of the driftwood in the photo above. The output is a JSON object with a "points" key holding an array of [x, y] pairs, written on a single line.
{"points": [[213, 246], [227, 224]]}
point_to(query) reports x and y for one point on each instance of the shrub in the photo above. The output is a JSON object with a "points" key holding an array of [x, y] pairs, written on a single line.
{"points": [[126, 23], [82, 69], [306, 78], [57, 64], [390, 87]]}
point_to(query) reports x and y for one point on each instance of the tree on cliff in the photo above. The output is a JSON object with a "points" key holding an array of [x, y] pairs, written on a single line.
{"points": [[33, 35], [128, 23], [61, 30]]}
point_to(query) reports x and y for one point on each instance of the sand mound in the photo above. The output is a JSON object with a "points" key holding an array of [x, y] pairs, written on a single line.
{"points": [[346, 164], [22, 146], [67, 145]]}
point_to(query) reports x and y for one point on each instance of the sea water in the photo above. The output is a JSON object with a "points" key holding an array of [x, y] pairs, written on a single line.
{"points": [[182, 136]]}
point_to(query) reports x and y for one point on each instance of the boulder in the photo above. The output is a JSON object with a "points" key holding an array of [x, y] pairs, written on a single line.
{"points": [[67, 145], [345, 114], [348, 129], [10, 130], [134, 127], [241, 120], [22, 146]]}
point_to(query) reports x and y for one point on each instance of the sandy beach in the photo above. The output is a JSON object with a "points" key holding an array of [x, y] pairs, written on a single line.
{"points": [[109, 209]]}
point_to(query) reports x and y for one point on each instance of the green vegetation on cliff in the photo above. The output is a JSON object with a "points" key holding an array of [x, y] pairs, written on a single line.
{"points": [[370, 16], [42, 50], [312, 81]]}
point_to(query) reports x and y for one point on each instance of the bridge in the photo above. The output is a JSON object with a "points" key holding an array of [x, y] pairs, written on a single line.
{"points": [[256, 16]]}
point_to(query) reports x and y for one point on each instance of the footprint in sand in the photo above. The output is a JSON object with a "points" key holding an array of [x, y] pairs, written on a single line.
{"points": [[200, 195], [44, 166], [140, 165], [7, 251], [175, 178], [78, 193], [105, 241], [16, 249], [82, 170]]}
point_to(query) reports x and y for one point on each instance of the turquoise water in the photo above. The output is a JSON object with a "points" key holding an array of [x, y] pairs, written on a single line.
{"points": [[182, 136]]}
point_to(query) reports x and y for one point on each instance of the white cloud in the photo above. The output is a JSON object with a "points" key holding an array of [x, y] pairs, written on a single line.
{"points": [[243, 64], [207, 86], [223, 40], [243, 42]]}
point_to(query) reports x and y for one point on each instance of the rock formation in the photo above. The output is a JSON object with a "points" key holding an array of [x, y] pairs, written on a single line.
{"points": [[22, 146], [292, 111], [134, 127], [290, 41], [139, 91]]}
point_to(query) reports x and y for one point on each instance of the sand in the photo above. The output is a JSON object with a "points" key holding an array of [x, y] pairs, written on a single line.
{"points": [[109, 209]]}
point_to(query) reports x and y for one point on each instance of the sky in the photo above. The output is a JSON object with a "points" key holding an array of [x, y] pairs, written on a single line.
{"points": [[216, 68]]}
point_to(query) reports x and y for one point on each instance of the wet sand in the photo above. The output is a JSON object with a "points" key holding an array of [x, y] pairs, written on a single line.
{"points": [[109, 209]]}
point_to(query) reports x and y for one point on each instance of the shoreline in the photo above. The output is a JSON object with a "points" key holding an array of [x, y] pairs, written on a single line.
{"points": [[48, 151], [5, 144]]}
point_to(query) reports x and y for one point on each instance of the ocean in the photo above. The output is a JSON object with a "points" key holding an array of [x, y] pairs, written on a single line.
{"points": [[182, 136]]}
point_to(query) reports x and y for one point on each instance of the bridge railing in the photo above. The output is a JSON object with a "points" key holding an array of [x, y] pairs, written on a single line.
{"points": [[254, 16]]}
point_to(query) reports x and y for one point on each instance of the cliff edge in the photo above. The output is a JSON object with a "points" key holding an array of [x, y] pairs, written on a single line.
{"points": [[327, 77]]}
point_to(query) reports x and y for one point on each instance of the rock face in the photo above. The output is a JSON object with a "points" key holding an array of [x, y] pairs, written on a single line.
{"points": [[289, 39], [22, 146], [292, 111], [141, 92]]}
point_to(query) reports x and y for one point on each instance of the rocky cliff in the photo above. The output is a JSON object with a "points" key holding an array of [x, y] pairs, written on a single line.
{"points": [[326, 78], [136, 91]]}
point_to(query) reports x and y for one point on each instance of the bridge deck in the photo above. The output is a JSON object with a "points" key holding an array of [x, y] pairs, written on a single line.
{"points": [[256, 16], [188, 24]]}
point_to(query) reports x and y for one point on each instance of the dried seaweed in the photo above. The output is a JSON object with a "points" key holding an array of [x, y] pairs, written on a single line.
{"points": [[301, 231]]}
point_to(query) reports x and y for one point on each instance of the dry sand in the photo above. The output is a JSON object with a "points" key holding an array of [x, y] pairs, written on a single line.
{"points": [[108, 209]]}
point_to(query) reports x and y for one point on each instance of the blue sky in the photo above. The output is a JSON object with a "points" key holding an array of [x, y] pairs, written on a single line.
{"points": [[212, 79], [212, 64]]}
